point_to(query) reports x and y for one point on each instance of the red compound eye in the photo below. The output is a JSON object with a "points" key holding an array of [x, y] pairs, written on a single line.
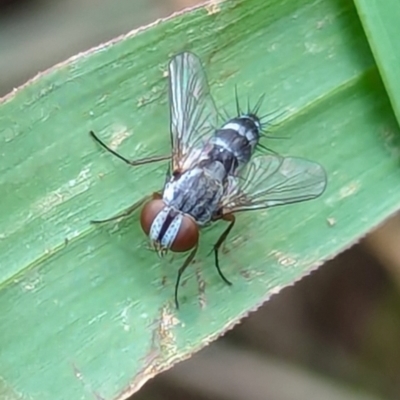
{"points": [[187, 237], [149, 213]]}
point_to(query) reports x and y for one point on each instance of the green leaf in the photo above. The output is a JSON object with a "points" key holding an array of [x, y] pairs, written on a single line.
{"points": [[381, 24], [87, 310]]}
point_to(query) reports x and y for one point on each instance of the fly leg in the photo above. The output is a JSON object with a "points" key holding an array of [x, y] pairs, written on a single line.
{"points": [[140, 161], [128, 211], [188, 260], [221, 240]]}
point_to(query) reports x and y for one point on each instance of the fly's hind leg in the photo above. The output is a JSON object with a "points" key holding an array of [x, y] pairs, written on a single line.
{"points": [[129, 210], [140, 161], [231, 219]]}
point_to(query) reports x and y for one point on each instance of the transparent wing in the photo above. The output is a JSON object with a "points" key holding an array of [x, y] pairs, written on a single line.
{"points": [[193, 114], [273, 180]]}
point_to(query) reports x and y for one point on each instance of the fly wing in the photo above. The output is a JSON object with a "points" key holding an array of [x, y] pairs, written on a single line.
{"points": [[273, 180], [193, 114]]}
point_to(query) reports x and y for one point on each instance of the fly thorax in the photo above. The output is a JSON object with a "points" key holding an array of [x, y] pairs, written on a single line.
{"points": [[165, 227], [175, 187], [195, 156], [215, 169]]}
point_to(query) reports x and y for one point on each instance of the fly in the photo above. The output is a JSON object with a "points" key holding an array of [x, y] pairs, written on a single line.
{"points": [[213, 173]]}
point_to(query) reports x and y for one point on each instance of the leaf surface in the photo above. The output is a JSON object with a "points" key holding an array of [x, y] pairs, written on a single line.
{"points": [[87, 311]]}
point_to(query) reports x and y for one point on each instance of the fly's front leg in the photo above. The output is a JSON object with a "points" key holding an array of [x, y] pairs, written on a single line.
{"points": [[140, 161], [128, 211], [231, 219], [188, 260]]}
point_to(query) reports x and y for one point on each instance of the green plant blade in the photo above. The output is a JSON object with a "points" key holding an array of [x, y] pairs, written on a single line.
{"points": [[381, 23], [87, 310]]}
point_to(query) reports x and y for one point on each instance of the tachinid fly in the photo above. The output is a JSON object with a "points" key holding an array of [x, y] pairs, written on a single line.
{"points": [[212, 172]]}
